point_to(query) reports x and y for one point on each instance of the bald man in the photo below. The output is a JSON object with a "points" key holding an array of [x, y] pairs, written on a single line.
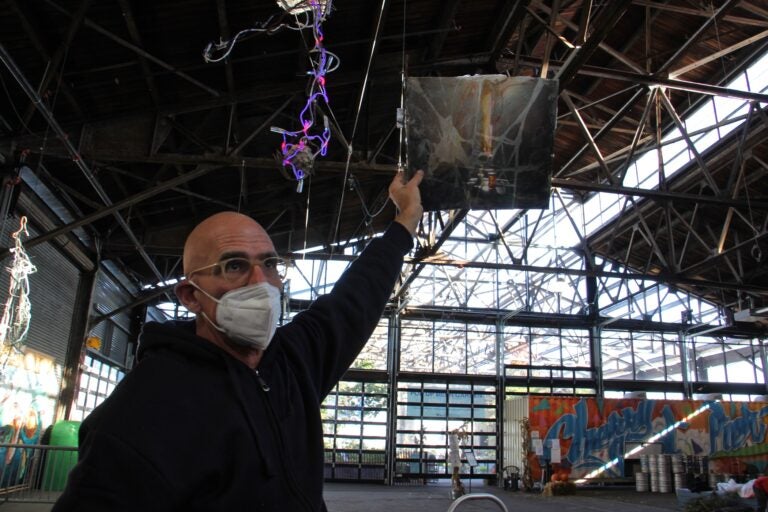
{"points": [[222, 413]]}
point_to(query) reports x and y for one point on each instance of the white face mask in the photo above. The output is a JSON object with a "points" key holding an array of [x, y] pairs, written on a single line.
{"points": [[247, 315]]}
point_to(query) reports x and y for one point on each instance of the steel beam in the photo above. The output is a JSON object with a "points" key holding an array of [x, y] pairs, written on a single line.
{"points": [[137, 50], [650, 80], [133, 30], [454, 221], [79, 162], [224, 34], [694, 39], [666, 279], [508, 20], [691, 146], [603, 23], [590, 140], [717, 55], [606, 128], [183, 191], [715, 258], [447, 16], [79, 328], [137, 301], [60, 53], [659, 196], [116, 207], [582, 29]]}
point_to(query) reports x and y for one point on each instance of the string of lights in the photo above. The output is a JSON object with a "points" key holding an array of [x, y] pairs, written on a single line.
{"points": [[17, 313], [299, 148]]}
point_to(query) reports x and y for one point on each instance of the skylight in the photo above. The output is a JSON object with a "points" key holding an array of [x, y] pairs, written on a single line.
{"points": [[716, 118]]}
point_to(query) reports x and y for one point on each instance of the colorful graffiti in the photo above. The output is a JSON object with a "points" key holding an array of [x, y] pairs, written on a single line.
{"points": [[29, 385], [595, 433]]}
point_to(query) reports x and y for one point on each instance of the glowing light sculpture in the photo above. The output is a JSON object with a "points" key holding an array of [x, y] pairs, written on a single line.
{"points": [[300, 147], [17, 312]]}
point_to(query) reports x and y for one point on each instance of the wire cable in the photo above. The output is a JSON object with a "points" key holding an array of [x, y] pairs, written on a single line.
{"points": [[357, 118]]}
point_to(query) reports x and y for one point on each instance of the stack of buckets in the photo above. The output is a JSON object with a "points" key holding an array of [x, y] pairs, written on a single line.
{"points": [[665, 473]]}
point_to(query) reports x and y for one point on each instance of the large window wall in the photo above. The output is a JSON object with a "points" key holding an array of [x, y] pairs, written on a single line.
{"points": [[355, 431], [451, 376], [447, 347], [429, 413]]}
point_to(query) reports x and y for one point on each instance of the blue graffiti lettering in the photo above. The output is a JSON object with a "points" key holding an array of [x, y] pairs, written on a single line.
{"points": [[729, 434], [620, 427]]}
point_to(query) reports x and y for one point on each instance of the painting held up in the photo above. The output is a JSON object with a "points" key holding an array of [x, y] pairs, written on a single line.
{"points": [[484, 142]]}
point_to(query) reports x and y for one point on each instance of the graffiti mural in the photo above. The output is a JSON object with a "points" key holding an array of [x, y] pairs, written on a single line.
{"points": [[594, 436], [29, 385]]}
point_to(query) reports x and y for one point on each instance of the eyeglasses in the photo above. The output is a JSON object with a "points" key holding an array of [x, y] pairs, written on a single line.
{"points": [[238, 269]]}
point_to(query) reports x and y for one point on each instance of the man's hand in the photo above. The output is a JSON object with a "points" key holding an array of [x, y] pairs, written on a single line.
{"points": [[407, 199]]}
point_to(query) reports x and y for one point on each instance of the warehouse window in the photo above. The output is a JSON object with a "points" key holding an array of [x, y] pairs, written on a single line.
{"points": [[427, 414], [448, 347], [97, 381], [355, 431]]}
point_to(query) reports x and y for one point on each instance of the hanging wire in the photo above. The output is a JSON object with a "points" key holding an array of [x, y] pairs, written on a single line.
{"points": [[402, 139], [306, 218], [401, 118], [17, 312], [357, 118], [217, 52], [242, 187]]}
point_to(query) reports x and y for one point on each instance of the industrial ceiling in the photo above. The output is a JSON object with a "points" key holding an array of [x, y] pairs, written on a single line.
{"points": [[114, 111]]}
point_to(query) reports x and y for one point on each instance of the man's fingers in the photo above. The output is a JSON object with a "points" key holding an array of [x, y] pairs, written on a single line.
{"points": [[400, 179], [416, 179]]}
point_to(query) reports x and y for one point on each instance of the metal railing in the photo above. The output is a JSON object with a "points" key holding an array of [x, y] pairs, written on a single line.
{"points": [[478, 496], [34, 473]]}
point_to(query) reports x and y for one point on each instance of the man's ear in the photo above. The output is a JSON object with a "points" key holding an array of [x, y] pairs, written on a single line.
{"points": [[186, 294]]}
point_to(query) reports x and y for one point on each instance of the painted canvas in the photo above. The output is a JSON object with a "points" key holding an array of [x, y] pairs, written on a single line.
{"points": [[484, 142]]}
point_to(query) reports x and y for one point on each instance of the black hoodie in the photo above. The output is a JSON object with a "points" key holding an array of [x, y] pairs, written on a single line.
{"points": [[192, 429]]}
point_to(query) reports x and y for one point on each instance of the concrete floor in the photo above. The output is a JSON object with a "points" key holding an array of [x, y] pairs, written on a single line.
{"points": [[436, 498], [349, 497]]}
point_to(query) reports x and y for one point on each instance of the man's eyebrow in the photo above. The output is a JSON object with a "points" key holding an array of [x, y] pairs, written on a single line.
{"points": [[242, 254]]}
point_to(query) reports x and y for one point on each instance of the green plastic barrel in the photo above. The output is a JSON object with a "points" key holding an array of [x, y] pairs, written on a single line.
{"points": [[58, 463]]}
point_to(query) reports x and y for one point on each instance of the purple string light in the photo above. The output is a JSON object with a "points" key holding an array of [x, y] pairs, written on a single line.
{"points": [[300, 148]]}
